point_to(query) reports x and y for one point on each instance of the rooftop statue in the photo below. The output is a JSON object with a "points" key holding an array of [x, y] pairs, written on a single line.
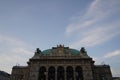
{"points": [[83, 51], [38, 51]]}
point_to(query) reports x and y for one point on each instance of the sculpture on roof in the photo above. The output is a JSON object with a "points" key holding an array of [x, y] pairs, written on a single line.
{"points": [[38, 51], [83, 51], [60, 45]]}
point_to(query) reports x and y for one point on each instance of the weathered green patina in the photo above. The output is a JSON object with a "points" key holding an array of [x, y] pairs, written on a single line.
{"points": [[65, 51]]}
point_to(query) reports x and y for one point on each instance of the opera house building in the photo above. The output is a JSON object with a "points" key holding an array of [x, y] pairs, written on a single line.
{"points": [[61, 63]]}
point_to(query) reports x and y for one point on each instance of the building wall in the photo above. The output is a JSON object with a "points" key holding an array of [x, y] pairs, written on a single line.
{"points": [[74, 64], [102, 72], [20, 73], [90, 71], [85, 64]]}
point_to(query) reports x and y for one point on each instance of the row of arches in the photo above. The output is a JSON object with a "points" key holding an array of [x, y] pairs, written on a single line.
{"points": [[60, 73]]}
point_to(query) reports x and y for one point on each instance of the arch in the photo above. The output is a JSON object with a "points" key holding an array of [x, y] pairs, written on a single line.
{"points": [[60, 73], [69, 73], [51, 73], [79, 73], [42, 75]]}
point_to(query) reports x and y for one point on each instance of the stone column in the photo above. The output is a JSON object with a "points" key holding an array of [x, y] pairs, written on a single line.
{"points": [[46, 73], [65, 73], [55, 72], [74, 73]]}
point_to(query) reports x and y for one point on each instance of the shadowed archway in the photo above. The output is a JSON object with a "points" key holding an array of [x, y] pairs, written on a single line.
{"points": [[79, 73], [51, 73], [42, 75]]}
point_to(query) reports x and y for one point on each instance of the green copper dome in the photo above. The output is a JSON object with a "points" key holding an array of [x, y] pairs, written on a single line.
{"points": [[74, 51], [47, 51], [63, 50], [60, 50]]}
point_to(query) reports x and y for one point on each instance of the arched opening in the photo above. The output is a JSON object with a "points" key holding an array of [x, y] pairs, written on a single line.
{"points": [[42, 75], [69, 73], [79, 73], [60, 73], [51, 73]]}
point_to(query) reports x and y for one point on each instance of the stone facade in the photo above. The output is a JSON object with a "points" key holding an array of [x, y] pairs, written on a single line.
{"points": [[20, 73], [61, 63]]}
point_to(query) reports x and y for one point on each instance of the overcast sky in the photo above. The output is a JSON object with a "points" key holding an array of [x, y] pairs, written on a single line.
{"points": [[29, 24]]}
